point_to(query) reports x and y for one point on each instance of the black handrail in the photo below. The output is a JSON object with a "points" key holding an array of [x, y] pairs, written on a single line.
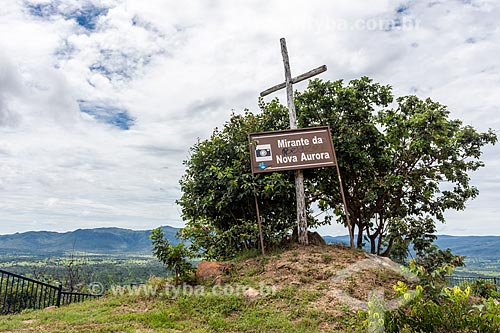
{"points": [[18, 292], [455, 280]]}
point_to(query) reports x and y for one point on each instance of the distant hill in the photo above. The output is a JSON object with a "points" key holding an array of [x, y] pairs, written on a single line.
{"points": [[483, 247], [126, 241], [99, 240]]}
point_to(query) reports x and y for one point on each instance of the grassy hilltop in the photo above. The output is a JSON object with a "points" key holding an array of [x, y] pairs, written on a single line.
{"points": [[329, 288], [313, 289]]}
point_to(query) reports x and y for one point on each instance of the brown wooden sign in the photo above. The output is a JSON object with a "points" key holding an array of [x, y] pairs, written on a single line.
{"points": [[291, 149]]}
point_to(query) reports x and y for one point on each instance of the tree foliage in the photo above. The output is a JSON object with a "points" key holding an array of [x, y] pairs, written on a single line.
{"points": [[219, 191], [175, 257], [403, 163]]}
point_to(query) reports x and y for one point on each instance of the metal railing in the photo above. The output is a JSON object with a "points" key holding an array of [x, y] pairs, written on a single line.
{"points": [[454, 280], [18, 293]]}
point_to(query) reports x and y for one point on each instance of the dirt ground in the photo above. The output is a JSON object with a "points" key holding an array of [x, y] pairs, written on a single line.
{"points": [[342, 275]]}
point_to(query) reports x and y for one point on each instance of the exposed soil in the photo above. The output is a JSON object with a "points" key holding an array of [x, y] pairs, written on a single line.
{"points": [[340, 275]]}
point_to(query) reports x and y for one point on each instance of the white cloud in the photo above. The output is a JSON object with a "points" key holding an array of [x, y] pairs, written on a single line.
{"points": [[178, 69]]}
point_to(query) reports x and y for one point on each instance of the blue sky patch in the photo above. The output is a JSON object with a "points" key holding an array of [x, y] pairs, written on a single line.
{"points": [[42, 10], [100, 68], [396, 23], [86, 17], [402, 9], [115, 64], [111, 115]]}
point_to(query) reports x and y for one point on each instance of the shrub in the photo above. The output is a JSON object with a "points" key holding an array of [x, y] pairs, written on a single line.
{"points": [[453, 311], [175, 258], [485, 289], [434, 307]]}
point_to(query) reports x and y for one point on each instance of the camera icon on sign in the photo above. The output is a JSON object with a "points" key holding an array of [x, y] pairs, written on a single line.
{"points": [[263, 153]]}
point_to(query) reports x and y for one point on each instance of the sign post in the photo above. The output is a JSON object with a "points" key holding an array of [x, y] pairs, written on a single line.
{"points": [[299, 175], [290, 150], [295, 154]]}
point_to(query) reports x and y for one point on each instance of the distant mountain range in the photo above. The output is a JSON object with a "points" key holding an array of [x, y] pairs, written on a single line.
{"points": [[483, 247], [99, 240], [126, 241]]}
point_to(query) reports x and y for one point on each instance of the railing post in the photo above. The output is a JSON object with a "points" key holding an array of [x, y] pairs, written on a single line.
{"points": [[59, 292], [18, 293]]}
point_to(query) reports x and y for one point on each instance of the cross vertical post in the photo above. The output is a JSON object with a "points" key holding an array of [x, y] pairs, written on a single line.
{"points": [[299, 174]]}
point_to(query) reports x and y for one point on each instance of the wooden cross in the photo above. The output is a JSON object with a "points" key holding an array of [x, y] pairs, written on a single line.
{"points": [[299, 175]]}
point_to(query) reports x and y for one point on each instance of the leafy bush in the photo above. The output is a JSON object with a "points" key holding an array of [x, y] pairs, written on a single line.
{"points": [[431, 258], [453, 311], [485, 289], [175, 258], [434, 307], [219, 191]]}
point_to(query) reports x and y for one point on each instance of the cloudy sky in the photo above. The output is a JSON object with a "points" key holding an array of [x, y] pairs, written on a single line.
{"points": [[100, 100]]}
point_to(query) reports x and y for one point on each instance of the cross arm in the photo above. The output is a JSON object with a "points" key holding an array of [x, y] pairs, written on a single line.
{"points": [[296, 79]]}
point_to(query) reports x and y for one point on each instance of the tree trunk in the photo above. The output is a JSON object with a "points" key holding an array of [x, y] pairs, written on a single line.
{"points": [[360, 238], [372, 244], [388, 249], [379, 244]]}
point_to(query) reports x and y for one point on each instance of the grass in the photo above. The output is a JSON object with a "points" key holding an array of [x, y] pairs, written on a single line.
{"points": [[287, 311], [301, 302]]}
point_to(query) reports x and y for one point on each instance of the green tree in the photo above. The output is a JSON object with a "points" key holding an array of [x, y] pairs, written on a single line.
{"points": [[175, 258], [218, 200], [403, 163], [401, 166]]}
